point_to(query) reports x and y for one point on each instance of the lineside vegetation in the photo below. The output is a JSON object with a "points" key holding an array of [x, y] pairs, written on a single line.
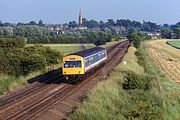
{"points": [[136, 90], [20, 61]]}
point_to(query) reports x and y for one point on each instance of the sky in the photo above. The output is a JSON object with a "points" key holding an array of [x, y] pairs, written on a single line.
{"points": [[62, 11]]}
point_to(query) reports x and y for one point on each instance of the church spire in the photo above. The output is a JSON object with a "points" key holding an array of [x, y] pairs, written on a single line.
{"points": [[80, 18]]}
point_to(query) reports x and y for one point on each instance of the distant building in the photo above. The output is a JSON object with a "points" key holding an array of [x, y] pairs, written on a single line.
{"points": [[80, 22], [152, 34], [80, 19], [56, 28], [82, 28]]}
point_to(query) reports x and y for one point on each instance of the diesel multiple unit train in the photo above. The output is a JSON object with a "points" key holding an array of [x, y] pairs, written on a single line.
{"points": [[80, 63]]}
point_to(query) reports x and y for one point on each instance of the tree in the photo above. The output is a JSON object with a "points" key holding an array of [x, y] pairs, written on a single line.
{"points": [[19, 24], [92, 24], [18, 42], [1, 24], [110, 22], [32, 23], [19, 31], [32, 63], [84, 20], [99, 38], [7, 24], [114, 31], [41, 23], [136, 24], [1, 32], [73, 24], [149, 26], [124, 23], [177, 33], [102, 24], [166, 26], [166, 33], [8, 33], [178, 24], [136, 39]]}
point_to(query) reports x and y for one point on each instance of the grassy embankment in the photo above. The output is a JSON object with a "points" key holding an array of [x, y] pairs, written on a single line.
{"points": [[144, 94], [9, 83], [174, 43]]}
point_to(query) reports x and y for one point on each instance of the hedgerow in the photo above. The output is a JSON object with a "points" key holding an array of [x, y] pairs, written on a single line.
{"points": [[16, 59]]}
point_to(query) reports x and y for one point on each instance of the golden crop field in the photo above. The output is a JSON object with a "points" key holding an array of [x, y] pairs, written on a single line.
{"points": [[167, 58]]}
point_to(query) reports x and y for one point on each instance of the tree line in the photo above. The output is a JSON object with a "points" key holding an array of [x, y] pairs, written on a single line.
{"points": [[126, 23], [97, 38], [36, 34], [172, 31], [39, 33]]}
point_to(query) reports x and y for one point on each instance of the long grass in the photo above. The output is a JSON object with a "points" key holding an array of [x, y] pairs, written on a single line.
{"points": [[109, 101], [169, 91], [9, 83]]}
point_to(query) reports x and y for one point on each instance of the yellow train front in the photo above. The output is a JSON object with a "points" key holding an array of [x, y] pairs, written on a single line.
{"points": [[78, 64]]}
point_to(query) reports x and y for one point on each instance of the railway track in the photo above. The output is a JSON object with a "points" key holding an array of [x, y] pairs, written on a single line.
{"points": [[9, 100], [22, 103], [66, 92], [46, 101]]}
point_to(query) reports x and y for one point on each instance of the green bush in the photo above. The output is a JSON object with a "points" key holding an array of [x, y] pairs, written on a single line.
{"points": [[33, 63], [10, 61], [143, 110], [18, 60], [135, 81], [12, 42], [51, 56], [140, 58], [136, 38]]}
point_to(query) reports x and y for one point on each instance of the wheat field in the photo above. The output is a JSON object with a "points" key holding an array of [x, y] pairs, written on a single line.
{"points": [[166, 57]]}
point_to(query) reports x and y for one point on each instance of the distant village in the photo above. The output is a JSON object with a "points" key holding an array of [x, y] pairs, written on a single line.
{"points": [[119, 27]]}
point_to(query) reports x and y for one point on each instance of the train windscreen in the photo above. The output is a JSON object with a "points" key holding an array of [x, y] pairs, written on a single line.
{"points": [[72, 64]]}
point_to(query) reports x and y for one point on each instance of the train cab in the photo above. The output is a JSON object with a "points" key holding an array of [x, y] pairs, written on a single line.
{"points": [[73, 65], [79, 63]]}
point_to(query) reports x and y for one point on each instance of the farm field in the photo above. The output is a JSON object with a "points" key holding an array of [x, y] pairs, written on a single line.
{"points": [[174, 43], [167, 58], [65, 49]]}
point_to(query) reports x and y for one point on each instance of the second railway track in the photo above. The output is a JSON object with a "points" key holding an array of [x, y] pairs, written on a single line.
{"points": [[9, 100]]}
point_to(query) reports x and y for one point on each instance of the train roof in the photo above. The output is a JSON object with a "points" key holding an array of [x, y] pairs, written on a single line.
{"points": [[88, 52]]}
